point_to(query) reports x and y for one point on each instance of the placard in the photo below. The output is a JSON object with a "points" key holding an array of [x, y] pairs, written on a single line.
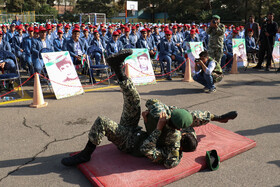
{"points": [[140, 67], [239, 48], [62, 74], [193, 49], [276, 51]]}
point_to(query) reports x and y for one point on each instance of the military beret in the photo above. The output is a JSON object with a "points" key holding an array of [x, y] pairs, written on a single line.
{"points": [[216, 17], [181, 118]]}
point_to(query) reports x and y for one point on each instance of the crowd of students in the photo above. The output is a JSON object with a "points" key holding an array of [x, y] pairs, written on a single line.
{"points": [[27, 41]]}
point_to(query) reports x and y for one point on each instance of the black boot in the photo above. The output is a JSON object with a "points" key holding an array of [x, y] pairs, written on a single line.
{"points": [[225, 117], [116, 60], [83, 156]]}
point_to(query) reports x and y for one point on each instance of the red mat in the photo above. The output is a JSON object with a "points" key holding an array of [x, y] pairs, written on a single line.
{"points": [[110, 167]]}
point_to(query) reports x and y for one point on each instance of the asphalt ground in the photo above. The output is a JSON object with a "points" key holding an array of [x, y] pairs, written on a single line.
{"points": [[33, 141]]}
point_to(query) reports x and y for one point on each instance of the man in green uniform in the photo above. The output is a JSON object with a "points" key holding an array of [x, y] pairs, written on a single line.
{"points": [[162, 143], [216, 42]]}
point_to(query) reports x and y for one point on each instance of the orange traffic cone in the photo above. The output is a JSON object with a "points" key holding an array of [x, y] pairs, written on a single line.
{"points": [[38, 99], [127, 70], [234, 65], [188, 73]]}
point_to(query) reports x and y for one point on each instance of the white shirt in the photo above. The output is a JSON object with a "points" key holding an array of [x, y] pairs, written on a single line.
{"points": [[77, 48], [44, 44]]}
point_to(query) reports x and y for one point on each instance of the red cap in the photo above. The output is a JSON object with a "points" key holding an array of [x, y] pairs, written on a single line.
{"points": [[59, 25], [174, 27], [104, 30], [143, 30], [60, 31], [250, 30], [26, 24], [20, 27], [166, 29], [197, 31], [76, 30], [237, 28], [137, 25], [193, 26], [168, 32], [162, 26], [85, 30], [83, 25], [235, 31], [42, 29], [119, 31], [76, 26], [90, 26], [133, 28], [155, 26], [180, 25], [96, 31], [148, 29], [67, 26], [102, 25], [110, 27], [4, 26], [192, 31], [30, 29], [36, 30], [49, 27], [116, 33], [126, 29]]}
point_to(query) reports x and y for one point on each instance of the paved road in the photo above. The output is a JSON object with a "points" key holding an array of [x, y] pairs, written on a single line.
{"points": [[33, 141]]}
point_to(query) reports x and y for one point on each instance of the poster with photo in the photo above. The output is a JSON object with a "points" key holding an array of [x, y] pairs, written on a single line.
{"points": [[62, 74], [239, 48], [193, 50], [140, 67], [276, 51]]}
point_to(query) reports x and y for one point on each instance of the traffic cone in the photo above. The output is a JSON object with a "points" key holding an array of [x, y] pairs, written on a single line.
{"points": [[38, 99], [234, 65], [188, 73], [127, 70]]}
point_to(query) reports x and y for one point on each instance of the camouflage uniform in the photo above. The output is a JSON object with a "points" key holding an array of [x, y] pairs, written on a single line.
{"points": [[128, 136], [216, 42], [166, 143]]}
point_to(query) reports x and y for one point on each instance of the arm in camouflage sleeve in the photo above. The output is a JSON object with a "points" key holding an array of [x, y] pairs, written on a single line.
{"points": [[209, 30], [150, 150], [220, 30]]}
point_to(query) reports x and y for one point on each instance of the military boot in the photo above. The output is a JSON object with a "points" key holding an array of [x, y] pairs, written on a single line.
{"points": [[81, 157], [225, 117], [116, 60]]}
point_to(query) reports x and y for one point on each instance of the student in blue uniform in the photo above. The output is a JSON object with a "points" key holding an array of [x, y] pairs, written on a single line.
{"points": [[27, 50], [4, 45], [58, 42], [114, 46]]}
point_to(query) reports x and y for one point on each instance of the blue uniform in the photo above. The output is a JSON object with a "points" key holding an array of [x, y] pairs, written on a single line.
{"points": [[75, 49], [133, 39], [37, 47], [27, 50], [250, 44], [126, 42], [4, 45], [99, 48], [114, 47], [167, 49], [157, 38], [58, 44]]}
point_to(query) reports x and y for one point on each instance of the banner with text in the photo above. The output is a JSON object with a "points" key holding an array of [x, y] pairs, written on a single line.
{"points": [[140, 67], [61, 71]]}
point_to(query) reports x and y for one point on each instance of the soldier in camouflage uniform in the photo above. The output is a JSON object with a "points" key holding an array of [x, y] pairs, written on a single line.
{"points": [[216, 42], [161, 143]]}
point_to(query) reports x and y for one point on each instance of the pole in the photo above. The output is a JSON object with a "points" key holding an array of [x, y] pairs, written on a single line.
{"points": [[125, 11], [246, 7]]}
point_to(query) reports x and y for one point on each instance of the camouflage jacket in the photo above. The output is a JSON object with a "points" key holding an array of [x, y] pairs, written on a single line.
{"points": [[161, 146], [216, 36]]}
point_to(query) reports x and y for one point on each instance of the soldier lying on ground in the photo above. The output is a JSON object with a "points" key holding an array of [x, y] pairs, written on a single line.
{"points": [[162, 143]]}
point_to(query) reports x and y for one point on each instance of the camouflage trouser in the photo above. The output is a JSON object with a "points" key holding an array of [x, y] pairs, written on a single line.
{"points": [[216, 54], [122, 134], [200, 117]]}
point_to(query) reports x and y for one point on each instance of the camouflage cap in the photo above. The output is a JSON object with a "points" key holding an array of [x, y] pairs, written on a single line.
{"points": [[216, 17], [181, 118]]}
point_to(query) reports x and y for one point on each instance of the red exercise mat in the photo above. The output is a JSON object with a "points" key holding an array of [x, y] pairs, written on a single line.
{"points": [[111, 167]]}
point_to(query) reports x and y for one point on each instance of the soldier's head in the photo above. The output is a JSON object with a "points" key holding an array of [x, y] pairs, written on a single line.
{"points": [[188, 141], [180, 119], [204, 56]]}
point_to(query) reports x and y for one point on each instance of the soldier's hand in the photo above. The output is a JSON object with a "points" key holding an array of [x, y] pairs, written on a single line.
{"points": [[162, 121], [144, 115]]}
